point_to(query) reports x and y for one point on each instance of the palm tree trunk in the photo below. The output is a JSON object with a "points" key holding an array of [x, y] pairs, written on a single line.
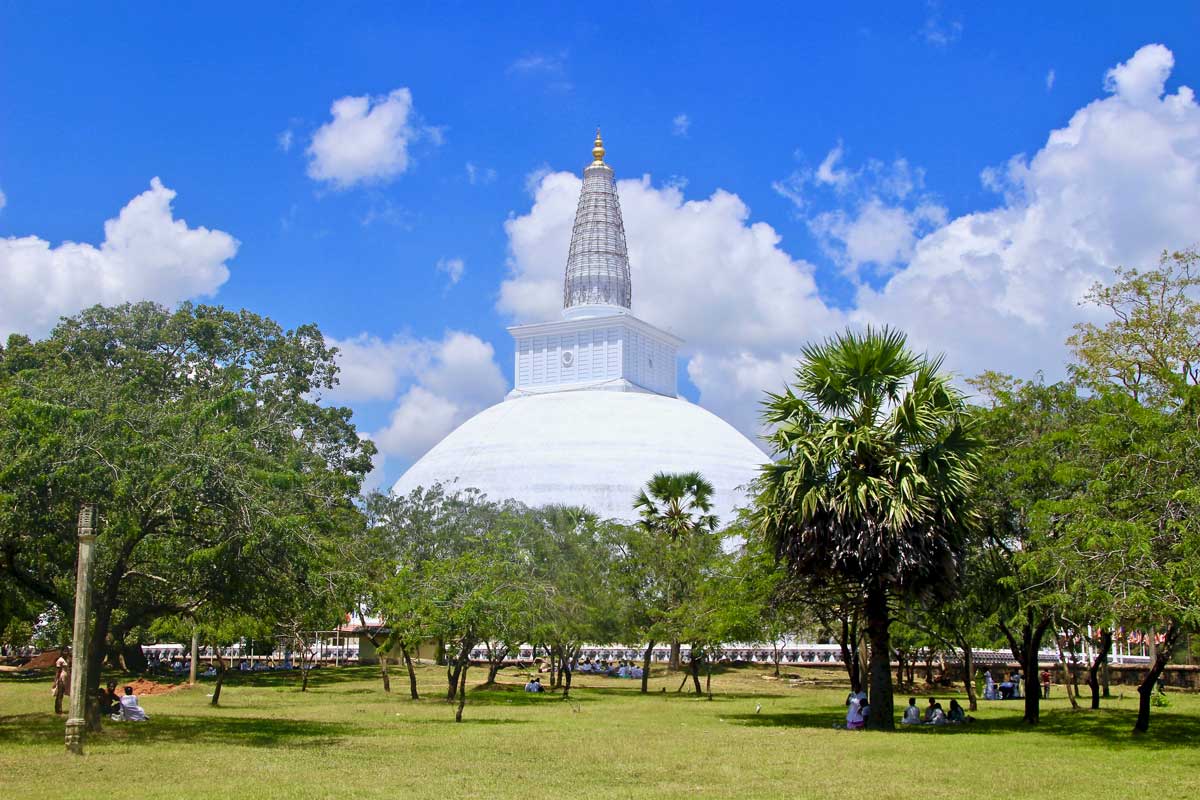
{"points": [[883, 713]]}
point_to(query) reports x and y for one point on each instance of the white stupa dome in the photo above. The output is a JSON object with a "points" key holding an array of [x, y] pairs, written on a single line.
{"points": [[595, 410], [592, 448]]}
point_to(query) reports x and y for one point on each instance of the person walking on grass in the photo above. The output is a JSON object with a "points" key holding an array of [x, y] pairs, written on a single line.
{"points": [[1045, 684]]}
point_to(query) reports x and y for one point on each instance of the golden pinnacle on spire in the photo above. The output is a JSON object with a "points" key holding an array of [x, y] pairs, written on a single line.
{"points": [[598, 149]]}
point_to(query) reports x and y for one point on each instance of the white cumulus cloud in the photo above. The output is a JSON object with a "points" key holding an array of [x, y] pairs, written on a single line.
{"points": [[1000, 289], [681, 124], [458, 378], [146, 254], [994, 289], [367, 140], [435, 384]]}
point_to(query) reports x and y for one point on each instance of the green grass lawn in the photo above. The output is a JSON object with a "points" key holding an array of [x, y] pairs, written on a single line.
{"points": [[346, 738]]}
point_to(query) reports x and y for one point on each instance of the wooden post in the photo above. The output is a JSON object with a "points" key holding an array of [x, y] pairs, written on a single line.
{"points": [[77, 721]]}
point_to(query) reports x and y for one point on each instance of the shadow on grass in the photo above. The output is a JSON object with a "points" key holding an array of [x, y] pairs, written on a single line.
{"points": [[466, 720], [1110, 727], [37, 729]]}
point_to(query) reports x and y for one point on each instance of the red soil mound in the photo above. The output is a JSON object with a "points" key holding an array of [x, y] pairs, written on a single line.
{"points": [[42, 660], [143, 687]]}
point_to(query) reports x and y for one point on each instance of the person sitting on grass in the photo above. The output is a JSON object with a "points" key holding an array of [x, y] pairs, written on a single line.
{"points": [[929, 709], [130, 710], [110, 701], [854, 715], [534, 686], [912, 714], [958, 714], [938, 716]]}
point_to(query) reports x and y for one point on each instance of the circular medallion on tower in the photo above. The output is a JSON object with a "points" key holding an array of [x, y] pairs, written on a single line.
{"points": [[568, 358]]}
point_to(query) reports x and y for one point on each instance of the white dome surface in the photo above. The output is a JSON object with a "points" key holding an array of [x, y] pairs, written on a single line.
{"points": [[592, 448]]}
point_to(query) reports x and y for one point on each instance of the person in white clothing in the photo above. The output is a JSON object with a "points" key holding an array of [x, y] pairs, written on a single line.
{"points": [[912, 714], [130, 710]]}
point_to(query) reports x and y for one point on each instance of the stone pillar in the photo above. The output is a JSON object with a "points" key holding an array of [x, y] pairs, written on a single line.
{"points": [[195, 655], [77, 722]]}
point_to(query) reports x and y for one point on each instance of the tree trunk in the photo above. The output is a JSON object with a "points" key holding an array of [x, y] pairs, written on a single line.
{"points": [[216, 698], [969, 675], [462, 688], [1100, 659], [900, 669], [412, 674], [695, 670], [453, 675], [1025, 652], [304, 677], [383, 673], [1066, 674], [777, 655], [847, 644], [646, 667], [708, 677], [439, 657], [1146, 687], [883, 716], [456, 677], [133, 659]]}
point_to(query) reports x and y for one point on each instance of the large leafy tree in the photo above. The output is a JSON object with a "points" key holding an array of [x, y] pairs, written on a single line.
{"points": [[1133, 532], [217, 475], [875, 462]]}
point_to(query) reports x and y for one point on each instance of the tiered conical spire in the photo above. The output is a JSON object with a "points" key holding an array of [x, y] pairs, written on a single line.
{"points": [[598, 263]]}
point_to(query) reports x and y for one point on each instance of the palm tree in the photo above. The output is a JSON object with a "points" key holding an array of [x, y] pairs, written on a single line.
{"points": [[875, 459], [677, 507]]}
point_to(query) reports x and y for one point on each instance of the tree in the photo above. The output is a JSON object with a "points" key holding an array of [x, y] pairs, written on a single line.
{"points": [[197, 434], [572, 558], [875, 462], [1135, 528], [677, 508], [1032, 461]]}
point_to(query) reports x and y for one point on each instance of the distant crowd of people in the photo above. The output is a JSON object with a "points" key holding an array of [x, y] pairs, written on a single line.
{"points": [[1009, 688], [619, 669]]}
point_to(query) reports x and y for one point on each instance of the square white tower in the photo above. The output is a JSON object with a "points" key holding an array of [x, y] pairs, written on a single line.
{"points": [[618, 352]]}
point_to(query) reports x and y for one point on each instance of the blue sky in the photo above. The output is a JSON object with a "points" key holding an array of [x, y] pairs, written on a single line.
{"points": [[857, 136]]}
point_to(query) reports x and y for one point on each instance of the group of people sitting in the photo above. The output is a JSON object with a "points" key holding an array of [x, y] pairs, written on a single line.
{"points": [[1009, 689], [935, 714], [535, 685], [622, 669], [857, 711], [121, 707]]}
